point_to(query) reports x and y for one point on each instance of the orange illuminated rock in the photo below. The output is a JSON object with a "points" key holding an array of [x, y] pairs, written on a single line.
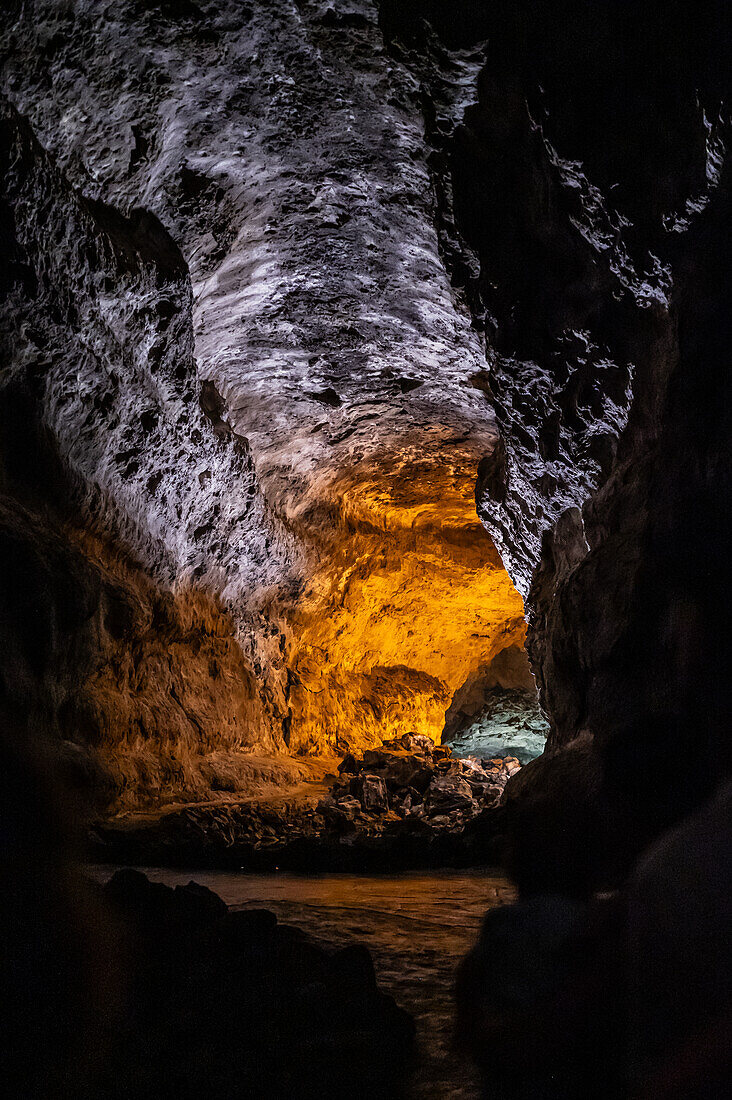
{"points": [[270, 411], [409, 598]]}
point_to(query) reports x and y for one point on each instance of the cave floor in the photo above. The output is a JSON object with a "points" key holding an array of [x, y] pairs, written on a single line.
{"points": [[271, 781], [407, 805]]}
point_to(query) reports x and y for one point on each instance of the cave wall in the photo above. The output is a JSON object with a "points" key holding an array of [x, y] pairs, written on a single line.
{"points": [[136, 680], [644, 671], [256, 379], [586, 213], [395, 261]]}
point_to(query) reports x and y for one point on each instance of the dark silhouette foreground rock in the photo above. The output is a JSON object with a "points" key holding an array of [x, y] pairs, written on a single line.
{"points": [[680, 958], [230, 1003], [136, 990], [617, 995]]}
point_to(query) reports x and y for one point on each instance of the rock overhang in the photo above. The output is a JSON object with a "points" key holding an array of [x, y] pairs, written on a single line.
{"points": [[291, 172]]}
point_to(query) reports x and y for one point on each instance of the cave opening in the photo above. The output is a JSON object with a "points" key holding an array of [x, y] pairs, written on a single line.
{"points": [[411, 623]]}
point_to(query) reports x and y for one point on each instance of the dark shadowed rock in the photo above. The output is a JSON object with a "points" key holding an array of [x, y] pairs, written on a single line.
{"points": [[371, 791], [349, 765], [235, 1002], [680, 956]]}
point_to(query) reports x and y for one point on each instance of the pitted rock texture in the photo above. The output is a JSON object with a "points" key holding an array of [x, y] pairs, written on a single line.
{"points": [[251, 366], [560, 233], [97, 322], [586, 209], [438, 256], [106, 453], [322, 314]]}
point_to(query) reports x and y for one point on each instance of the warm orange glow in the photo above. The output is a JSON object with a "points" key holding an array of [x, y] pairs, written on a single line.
{"points": [[403, 598], [409, 598]]}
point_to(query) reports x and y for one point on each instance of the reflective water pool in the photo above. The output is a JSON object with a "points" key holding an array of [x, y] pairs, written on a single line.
{"points": [[416, 925]]}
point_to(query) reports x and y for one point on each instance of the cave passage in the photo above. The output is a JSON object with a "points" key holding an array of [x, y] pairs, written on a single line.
{"points": [[328, 328], [411, 622]]}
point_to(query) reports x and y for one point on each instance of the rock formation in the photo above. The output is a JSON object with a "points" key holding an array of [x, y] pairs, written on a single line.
{"points": [[292, 288], [256, 383], [586, 210], [404, 805]]}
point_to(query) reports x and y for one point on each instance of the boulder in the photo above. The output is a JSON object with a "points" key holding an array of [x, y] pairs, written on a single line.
{"points": [[446, 766], [405, 805], [436, 786], [350, 805], [452, 792], [198, 903], [375, 759], [349, 765], [371, 792], [408, 771], [418, 742], [337, 816]]}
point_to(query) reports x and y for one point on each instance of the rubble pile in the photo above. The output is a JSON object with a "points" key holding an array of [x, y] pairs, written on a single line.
{"points": [[408, 804], [412, 778]]}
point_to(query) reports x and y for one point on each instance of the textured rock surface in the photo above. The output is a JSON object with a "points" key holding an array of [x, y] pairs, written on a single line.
{"points": [[104, 438], [586, 209], [231, 206], [384, 241], [496, 712], [404, 805], [507, 723]]}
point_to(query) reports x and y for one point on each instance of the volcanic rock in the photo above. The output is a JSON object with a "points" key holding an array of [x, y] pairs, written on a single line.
{"points": [[371, 792], [599, 269], [274, 437], [276, 322], [350, 806], [349, 765], [215, 991], [450, 793]]}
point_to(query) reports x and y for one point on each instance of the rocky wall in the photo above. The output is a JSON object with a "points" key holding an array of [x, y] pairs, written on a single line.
{"points": [[586, 213], [415, 257], [255, 377]]}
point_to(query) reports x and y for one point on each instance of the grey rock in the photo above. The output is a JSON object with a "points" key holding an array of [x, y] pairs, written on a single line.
{"points": [[372, 793], [351, 806]]}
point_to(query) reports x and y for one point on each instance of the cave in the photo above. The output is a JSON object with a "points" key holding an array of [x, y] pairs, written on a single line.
{"points": [[364, 472]]}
